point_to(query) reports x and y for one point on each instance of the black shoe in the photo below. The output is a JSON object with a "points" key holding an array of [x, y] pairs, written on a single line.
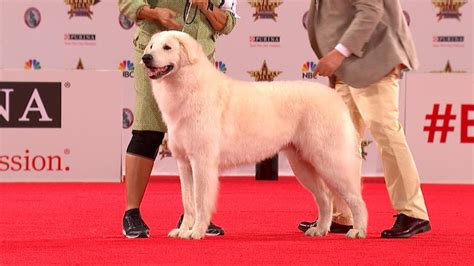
{"points": [[406, 226], [134, 226], [335, 227], [212, 230]]}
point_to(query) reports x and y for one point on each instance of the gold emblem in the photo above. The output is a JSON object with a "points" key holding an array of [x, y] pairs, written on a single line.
{"points": [[364, 144], [81, 8], [164, 151], [264, 74], [80, 66], [265, 9], [449, 8], [449, 69]]}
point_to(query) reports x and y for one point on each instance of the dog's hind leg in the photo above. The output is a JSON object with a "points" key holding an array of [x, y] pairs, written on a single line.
{"points": [[205, 188], [186, 180], [346, 182], [307, 176]]}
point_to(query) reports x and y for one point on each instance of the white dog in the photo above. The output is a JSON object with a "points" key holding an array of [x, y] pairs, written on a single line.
{"points": [[215, 122]]}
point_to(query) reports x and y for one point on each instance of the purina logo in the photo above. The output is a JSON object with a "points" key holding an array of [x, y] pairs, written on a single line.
{"points": [[30, 104], [30, 162], [80, 8], [449, 9], [264, 74], [448, 41], [265, 9], [32, 64], [264, 41], [308, 70], [127, 68], [80, 39], [221, 66], [32, 17], [125, 22]]}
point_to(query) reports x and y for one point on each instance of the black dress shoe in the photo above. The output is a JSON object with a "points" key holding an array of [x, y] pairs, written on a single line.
{"points": [[335, 227], [406, 226], [212, 230]]}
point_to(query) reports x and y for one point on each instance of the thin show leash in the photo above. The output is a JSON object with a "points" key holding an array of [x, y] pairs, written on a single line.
{"points": [[187, 9]]}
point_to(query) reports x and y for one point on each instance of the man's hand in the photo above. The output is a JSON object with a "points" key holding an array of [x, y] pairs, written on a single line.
{"points": [[329, 63], [164, 16]]}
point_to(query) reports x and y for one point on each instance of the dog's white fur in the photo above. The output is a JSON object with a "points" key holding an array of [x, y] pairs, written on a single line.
{"points": [[215, 122]]}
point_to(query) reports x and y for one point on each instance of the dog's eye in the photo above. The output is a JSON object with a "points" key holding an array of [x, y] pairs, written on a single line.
{"points": [[151, 46], [167, 47]]}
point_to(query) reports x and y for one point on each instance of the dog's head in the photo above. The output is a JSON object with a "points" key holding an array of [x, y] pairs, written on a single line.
{"points": [[168, 51]]}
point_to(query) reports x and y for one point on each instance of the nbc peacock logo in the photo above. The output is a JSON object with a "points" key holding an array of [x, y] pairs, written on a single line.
{"points": [[127, 67], [308, 70], [221, 66], [32, 64]]}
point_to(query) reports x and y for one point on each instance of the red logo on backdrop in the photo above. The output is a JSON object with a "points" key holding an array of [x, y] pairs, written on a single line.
{"points": [[467, 122], [28, 161], [446, 127]]}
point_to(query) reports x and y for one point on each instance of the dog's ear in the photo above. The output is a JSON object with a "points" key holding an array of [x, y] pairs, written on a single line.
{"points": [[191, 47]]}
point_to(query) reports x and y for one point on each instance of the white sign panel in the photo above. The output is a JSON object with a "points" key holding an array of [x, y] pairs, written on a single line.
{"points": [[440, 126], [60, 126]]}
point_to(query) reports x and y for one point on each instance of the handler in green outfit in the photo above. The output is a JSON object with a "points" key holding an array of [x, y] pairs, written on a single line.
{"points": [[207, 20]]}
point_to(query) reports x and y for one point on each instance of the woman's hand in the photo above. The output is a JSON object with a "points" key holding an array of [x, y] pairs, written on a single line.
{"points": [[164, 16], [201, 4]]}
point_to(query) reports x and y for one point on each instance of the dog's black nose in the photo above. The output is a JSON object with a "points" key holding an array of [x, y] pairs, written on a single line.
{"points": [[147, 59]]}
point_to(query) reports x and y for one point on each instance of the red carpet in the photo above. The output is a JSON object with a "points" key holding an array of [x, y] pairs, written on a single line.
{"points": [[81, 224]]}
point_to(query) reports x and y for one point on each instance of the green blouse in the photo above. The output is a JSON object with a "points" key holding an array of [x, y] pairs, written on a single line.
{"points": [[200, 29]]}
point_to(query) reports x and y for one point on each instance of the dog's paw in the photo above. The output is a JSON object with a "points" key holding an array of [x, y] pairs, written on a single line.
{"points": [[185, 234], [196, 235], [173, 233], [356, 233], [315, 231]]}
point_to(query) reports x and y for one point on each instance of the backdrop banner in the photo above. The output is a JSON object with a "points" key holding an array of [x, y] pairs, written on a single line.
{"points": [[440, 126]]}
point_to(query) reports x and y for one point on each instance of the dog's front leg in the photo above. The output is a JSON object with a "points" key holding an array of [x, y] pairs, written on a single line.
{"points": [[205, 185], [186, 179]]}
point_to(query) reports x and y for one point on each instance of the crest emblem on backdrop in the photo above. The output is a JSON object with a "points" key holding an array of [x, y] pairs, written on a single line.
{"points": [[264, 74], [125, 22], [449, 8], [32, 17], [81, 8], [265, 9]]}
